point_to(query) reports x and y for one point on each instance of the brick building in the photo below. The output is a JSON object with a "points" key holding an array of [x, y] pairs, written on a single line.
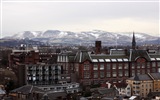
{"points": [[115, 67], [17, 61], [19, 58]]}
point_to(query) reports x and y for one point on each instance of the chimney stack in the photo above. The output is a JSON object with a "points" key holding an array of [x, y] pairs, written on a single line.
{"points": [[98, 47]]}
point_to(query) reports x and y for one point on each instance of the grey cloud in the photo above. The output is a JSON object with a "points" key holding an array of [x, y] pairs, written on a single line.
{"points": [[19, 16]]}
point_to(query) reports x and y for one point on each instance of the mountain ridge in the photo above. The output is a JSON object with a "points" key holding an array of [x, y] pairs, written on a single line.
{"points": [[57, 36]]}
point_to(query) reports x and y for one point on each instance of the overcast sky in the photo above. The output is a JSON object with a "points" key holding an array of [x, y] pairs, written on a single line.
{"points": [[80, 16]]}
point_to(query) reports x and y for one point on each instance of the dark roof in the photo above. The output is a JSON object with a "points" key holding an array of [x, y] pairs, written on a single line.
{"points": [[156, 56], [71, 58], [121, 85], [27, 89], [119, 55], [54, 96], [153, 94], [82, 56], [139, 53], [136, 78], [156, 76], [93, 56], [142, 77], [106, 91]]}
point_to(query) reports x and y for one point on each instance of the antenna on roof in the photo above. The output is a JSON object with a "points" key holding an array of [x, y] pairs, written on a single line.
{"points": [[159, 43], [116, 41]]}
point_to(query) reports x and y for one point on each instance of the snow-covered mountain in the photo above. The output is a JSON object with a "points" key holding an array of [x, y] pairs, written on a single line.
{"points": [[56, 36], [26, 34]]}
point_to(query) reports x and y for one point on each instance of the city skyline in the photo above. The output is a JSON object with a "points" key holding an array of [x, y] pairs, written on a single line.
{"points": [[79, 16]]}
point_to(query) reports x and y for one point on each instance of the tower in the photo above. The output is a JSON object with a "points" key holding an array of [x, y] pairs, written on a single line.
{"points": [[133, 42]]}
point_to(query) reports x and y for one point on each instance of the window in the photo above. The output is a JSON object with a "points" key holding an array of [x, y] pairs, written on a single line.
{"points": [[153, 70], [158, 64], [46, 78], [120, 73], [101, 66], [126, 66], [113, 66], [138, 65], [114, 74], [133, 74], [143, 71], [148, 64], [119, 66], [64, 88], [108, 74], [101, 74], [58, 88], [126, 73], [108, 66], [86, 66], [153, 64], [138, 71], [143, 65], [95, 67], [133, 65], [95, 75], [86, 75], [46, 68], [40, 78]]}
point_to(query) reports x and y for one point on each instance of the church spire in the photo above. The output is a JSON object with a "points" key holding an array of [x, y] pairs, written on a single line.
{"points": [[133, 42]]}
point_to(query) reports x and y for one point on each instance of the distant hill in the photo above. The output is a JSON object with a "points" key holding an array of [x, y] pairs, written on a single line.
{"points": [[86, 37], [18, 42]]}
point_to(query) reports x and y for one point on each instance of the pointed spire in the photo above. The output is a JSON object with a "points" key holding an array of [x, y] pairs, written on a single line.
{"points": [[133, 42]]}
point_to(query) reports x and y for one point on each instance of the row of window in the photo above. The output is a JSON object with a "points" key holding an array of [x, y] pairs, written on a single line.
{"points": [[108, 66], [103, 74], [44, 67], [40, 78], [143, 71], [121, 66], [114, 73]]}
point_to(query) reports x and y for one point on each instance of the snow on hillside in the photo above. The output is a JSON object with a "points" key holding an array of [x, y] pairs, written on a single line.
{"points": [[55, 36]]}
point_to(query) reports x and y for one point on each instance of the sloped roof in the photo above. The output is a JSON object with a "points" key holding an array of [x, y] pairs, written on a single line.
{"points": [[142, 77], [50, 95], [156, 76], [121, 85], [106, 91], [155, 57], [108, 56], [27, 89], [82, 56], [53, 96], [139, 53], [2, 92], [153, 94], [71, 58]]}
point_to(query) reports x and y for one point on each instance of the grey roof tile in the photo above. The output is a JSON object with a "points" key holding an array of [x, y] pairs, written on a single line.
{"points": [[156, 76], [142, 77], [27, 89]]}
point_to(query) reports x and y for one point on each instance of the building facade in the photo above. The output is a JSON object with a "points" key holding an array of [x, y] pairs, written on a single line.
{"points": [[115, 66], [45, 74], [142, 85], [19, 58]]}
